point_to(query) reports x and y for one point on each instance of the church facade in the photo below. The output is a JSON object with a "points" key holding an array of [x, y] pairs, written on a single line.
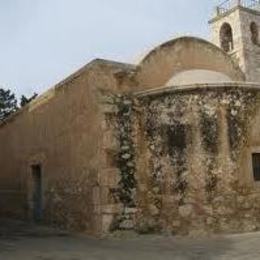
{"points": [[171, 144]]}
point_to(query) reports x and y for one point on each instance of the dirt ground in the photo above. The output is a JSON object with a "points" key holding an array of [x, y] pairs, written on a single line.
{"points": [[21, 241]]}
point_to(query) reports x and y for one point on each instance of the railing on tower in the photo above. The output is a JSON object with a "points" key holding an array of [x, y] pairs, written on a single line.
{"points": [[229, 4]]}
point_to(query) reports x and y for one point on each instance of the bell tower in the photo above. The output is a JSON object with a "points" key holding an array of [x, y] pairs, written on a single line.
{"points": [[235, 28]]}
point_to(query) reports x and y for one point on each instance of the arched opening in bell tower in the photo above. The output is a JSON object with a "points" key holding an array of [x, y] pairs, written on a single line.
{"points": [[254, 33], [226, 37]]}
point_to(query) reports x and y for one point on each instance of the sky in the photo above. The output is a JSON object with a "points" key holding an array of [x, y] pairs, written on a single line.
{"points": [[44, 41]]}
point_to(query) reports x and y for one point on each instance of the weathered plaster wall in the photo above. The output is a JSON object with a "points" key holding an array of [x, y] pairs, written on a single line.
{"points": [[186, 161], [63, 131]]}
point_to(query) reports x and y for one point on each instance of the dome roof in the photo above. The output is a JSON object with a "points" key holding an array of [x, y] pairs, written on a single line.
{"points": [[200, 59]]}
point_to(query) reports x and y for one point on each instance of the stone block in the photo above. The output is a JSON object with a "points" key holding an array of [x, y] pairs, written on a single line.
{"points": [[185, 211], [153, 210], [210, 221], [176, 223], [208, 210], [112, 209], [111, 109], [110, 141], [127, 224], [168, 199], [110, 177], [130, 210], [107, 221]]}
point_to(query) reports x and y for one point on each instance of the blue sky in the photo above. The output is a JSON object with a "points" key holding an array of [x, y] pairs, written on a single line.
{"points": [[43, 41]]}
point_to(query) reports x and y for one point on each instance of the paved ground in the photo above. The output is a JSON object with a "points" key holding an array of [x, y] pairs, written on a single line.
{"points": [[19, 241]]}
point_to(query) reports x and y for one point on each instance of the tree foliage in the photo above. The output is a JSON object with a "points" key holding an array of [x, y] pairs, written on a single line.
{"points": [[8, 103], [24, 100]]}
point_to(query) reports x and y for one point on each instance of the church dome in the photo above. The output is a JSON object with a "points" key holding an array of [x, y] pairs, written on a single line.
{"points": [[186, 60]]}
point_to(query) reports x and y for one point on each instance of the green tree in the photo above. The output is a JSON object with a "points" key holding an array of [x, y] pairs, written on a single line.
{"points": [[24, 100], [8, 103]]}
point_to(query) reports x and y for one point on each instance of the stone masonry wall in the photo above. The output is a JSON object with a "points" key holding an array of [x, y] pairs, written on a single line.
{"points": [[118, 181], [179, 161]]}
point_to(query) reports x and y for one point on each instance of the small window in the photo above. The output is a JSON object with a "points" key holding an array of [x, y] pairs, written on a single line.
{"points": [[256, 166], [254, 33], [226, 37]]}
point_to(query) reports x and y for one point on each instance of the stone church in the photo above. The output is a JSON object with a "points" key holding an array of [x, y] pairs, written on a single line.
{"points": [[171, 144]]}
